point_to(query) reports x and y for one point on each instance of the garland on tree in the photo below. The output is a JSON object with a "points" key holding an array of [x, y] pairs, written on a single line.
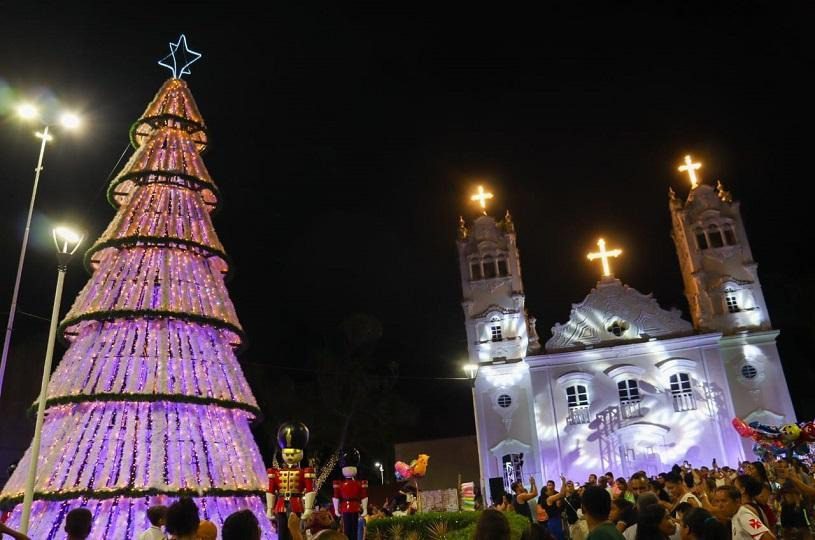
{"points": [[158, 121], [151, 398], [196, 183], [129, 241], [110, 315], [8, 503]]}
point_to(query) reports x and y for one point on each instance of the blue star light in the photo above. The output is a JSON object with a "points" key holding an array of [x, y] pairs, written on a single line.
{"points": [[189, 58]]}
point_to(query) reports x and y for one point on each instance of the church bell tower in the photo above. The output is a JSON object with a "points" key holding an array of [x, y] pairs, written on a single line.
{"points": [[720, 275], [500, 334]]}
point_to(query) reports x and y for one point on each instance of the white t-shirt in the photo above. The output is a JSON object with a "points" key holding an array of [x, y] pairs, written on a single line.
{"points": [[747, 525], [153, 533]]}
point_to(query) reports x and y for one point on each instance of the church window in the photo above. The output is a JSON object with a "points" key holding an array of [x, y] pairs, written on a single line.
{"points": [[715, 236], [729, 235], [681, 392], [489, 268], [701, 239], [578, 400], [497, 334], [732, 304], [502, 268], [749, 371], [504, 401], [475, 271], [618, 328], [629, 392], [513, 470]]}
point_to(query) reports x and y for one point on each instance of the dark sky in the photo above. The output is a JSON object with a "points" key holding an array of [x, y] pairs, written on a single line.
{"points": [[346, 141]]}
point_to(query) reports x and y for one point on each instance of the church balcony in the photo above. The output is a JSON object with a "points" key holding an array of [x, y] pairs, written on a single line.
{"points": [[684, 401], [630, 409], [578, 415]]}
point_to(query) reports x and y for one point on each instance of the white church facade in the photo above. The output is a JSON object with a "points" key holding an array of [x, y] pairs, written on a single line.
{"points": [[624, 385]]}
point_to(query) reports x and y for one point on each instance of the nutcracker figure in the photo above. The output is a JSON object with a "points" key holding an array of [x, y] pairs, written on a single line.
{"points": [[350, 495], [291, 488]]}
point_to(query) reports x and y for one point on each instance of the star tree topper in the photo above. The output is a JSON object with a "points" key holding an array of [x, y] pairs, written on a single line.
{"points": [[189, 58]]}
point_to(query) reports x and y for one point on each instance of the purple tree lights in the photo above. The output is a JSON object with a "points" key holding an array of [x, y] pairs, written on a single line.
{"points": [[149, 402]]}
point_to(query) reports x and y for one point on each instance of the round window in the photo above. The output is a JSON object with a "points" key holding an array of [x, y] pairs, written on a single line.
{"points": [[749, 371], [504, 401]]}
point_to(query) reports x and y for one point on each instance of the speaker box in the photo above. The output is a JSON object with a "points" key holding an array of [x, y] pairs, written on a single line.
{"points": [[496, 489]]}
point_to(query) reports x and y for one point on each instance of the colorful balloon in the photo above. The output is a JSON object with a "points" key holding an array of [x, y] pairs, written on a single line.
{"points": [[808, 432], [419, 466], [790, 433], [742, 428], [402, 470]]}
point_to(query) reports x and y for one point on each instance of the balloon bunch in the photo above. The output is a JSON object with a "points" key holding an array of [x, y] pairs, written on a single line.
{"points": [[416, 469], [789, 440]]}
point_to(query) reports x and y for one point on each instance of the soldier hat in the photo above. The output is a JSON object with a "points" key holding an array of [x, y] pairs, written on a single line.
{"points": [[292, 435], [349, 458]]}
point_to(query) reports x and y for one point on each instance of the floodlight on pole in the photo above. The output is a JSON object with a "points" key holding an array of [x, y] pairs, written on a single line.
{"points": [[67, 242], [28, 111]]}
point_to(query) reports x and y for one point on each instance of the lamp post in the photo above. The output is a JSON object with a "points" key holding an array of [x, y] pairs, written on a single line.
{"points": [[67, 242], [379, 466], [472, 374], [68, 121]]}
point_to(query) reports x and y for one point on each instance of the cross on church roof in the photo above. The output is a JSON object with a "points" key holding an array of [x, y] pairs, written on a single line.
{"points": [[604, 256], [691, 168], [482, 197]]}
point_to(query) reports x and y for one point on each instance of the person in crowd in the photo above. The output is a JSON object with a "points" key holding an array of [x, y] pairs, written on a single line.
{"points": [[643, 501], [552, 503], [622, 513], [639, 484], [241, 525], [521, 498], [596, 505], [492, 525], [207, 530], [182, 519], [679, 492], [655, 523], [757, 470], [78, 524], [794, 517], [746, 522], [699, 524], [536, 532], [16, 535], [157, 516], [592, 481], [622, 489]]}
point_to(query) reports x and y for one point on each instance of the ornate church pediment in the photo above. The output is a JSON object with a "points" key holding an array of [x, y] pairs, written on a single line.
{"points": [[612, 313]]}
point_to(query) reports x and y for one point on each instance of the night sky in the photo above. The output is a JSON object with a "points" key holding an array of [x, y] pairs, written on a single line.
{"points": [[346, 142]]}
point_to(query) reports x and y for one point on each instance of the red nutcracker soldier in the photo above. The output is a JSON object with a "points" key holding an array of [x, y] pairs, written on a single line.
{"points": [[291, 489], [350, 495]]}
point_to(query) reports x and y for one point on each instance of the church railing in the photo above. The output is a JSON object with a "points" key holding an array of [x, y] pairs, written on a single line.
{"points": [[684, 401], [578, 415], [630, 409]]}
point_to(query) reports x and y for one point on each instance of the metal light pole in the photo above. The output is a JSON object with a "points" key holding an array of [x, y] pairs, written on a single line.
{"points": [[67, 243], [69, 121], [381, 472]]}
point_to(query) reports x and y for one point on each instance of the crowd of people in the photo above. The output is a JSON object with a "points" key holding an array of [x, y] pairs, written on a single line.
{"points": [[757, 501]]}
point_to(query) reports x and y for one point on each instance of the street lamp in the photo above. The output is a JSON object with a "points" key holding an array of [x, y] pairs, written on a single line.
{"points": [[381, 472], [68, 120], [67, 242]]}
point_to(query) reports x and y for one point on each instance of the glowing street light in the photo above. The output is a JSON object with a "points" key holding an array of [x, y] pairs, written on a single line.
{"points": [[379, 466], [67, 242], [470, 369], [28, 111]]}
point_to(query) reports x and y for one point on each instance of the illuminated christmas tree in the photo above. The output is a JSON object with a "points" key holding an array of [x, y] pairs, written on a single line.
{"points": [[149, 402]]}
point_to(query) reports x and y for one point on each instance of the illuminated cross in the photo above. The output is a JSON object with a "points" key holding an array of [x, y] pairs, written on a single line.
{"points": [[691, 167], [604, 255], [482, 197]]}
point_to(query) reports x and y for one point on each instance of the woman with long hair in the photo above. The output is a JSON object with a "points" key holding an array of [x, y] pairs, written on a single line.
{"points": [[655, 523], [699, 524]]}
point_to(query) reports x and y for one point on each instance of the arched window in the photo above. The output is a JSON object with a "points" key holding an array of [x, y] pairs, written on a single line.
{"points": [[495, 333], [714, 236], [577, 398], [681, 392], [629, 391], [475, 271], [701, 239], [731, 302], [489, 268], [729, 235], [502, 268]]}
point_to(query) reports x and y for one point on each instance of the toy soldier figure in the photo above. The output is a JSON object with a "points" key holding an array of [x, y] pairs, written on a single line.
{"points": [[291, 489], [350, 495]]}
